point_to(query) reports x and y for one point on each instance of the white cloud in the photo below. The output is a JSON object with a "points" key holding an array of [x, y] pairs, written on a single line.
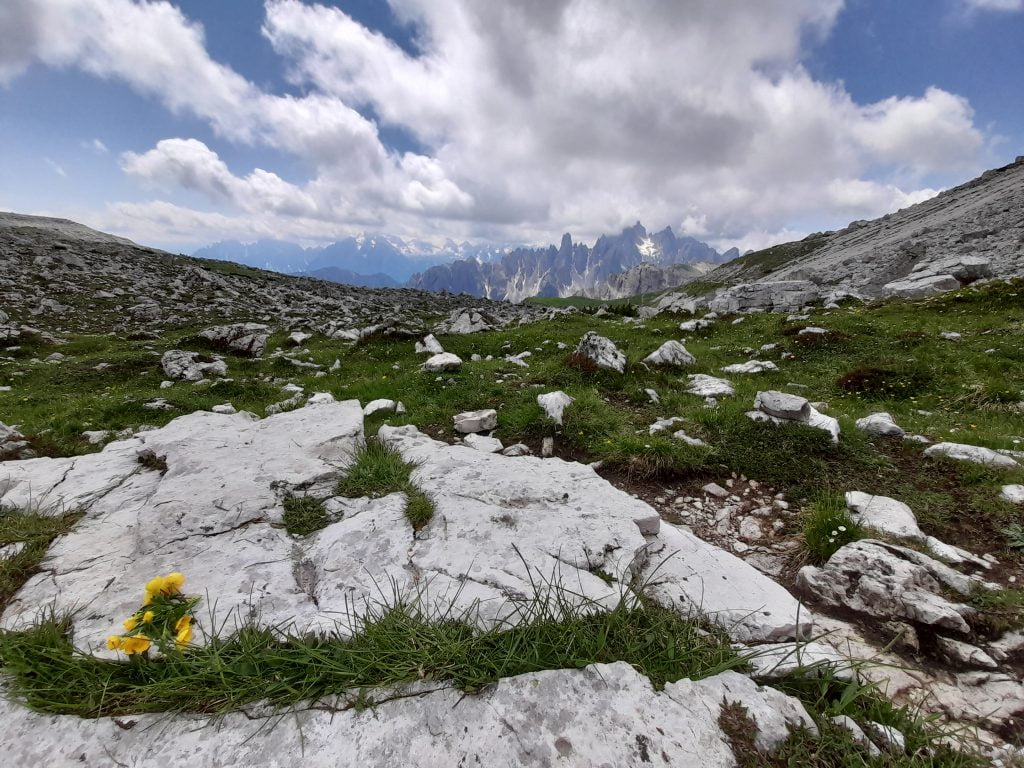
{"points": [[56, 167], [995, 5], [535, 118]]}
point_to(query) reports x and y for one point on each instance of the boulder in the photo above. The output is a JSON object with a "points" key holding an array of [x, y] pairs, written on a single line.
{"points": [[247, 339], [884, 515], [1012, 493], [14, 445], [191, 366], [670, 353], [382, 405], [890, 582], [476, 421], [554, 404], [783, 406], [751, 366], [769, 296], [444, 361], [972, 453], [601, 352], [881, 424], [920, 287], [429, 346], [709, 386]]}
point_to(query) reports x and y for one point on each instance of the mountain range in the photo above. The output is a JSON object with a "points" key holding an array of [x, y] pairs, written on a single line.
{"points": [[604, 270]]}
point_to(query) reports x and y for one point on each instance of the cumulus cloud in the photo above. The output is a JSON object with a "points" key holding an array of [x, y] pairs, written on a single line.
{"points": [[533, 118]]}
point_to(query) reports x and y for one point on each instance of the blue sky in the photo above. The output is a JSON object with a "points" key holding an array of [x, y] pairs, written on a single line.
{"points": [[738, 123]]}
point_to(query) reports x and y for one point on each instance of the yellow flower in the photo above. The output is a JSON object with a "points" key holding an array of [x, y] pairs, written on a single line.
{"points": [[172, 583], [113, 642], [184, 630], [135, 644], [147, 617], [153, 588], [130, 623]]}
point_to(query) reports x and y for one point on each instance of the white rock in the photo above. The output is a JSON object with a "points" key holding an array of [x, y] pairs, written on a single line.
{"points": [[519, 449], [652, 394], [829, 424], [880, 424], [445, 361], [547, 447], [381, 405], [225, 409], [96, 436], [750, 529], [957, 652], [554, 404], [951, 335], [7, 551], [883, 514], [783, 406], [601, 715], [191, 366], [714, 489], [1012, 493], [429, 346], [662, 425], [858, 735], [751, 366], [886, 736], [601, 352], [320, 398], [670, 353], [702, 385], [973, 453], [772, 661], [680, 434], [887, 581], [483, 443], [298, 338], [476, 421], [691, 575], [812, 330], [248, 339]]}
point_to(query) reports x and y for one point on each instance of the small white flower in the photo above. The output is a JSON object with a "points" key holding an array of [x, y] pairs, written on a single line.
{"points": [[831, 541], [834, 533]]}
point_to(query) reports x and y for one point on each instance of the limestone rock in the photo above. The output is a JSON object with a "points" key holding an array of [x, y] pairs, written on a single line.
{"points": [[884, 514], [960, 653], [13, 444], [191, 366], [886, 581], [880, 424], [429, 346], [444, 361], [783, 406], [920, 287], [1012, 493], [476, 421], [702, 385], [751, 366], [690, 575], [670, 353], [973, 453], [248, 339], [554, 404], [382, 405], [769, 296], [601, 715], [483, 443], [601, 352]]}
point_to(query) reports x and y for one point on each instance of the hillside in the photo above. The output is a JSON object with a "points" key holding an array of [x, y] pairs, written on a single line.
{"points": [[65, 277], [981, 221]]}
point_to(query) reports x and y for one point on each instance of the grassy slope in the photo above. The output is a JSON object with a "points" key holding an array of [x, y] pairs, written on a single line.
{"points": [[947, 390]]}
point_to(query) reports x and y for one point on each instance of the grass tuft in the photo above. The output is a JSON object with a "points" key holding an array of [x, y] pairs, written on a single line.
{"points": [[304, 515], [36, 532], [828, 527], [377, 470]]}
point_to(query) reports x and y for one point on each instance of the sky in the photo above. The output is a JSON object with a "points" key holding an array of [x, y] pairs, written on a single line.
{"points": [[743, 124]]}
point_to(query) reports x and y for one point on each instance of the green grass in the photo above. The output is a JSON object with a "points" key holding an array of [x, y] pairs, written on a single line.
{"points": [[828, 527], [304, 515], [997, 611], [396, 644], [963, 391], [37, 531], [377, 470]]}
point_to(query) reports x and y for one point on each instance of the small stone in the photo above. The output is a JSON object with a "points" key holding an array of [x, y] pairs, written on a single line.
{"points": [[476, 421], [714, 489]]}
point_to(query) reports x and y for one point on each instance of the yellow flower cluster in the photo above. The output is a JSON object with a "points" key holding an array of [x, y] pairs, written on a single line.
{"points": [[165, 619]]}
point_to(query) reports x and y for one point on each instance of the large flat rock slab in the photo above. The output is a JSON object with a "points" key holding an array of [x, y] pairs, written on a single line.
{"points": [[602, 715]]}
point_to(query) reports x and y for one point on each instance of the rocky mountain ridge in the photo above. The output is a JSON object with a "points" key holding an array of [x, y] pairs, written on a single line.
{"points": [[96, 282], [571, 269]]}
